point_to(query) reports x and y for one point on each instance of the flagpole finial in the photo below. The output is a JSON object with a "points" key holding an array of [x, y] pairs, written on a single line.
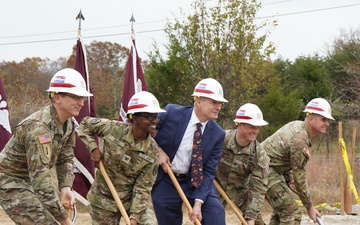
{"points": [[80, 17], [132, 20]]}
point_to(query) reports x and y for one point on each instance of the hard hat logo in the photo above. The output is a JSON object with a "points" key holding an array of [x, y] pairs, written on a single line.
{"points": [[59, 79], [240, 113], [83, 85], [201, 86], [314, 106], [155, 103]]}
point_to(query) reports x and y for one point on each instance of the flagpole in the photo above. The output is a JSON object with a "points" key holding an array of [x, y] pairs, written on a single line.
{"points": [[134, 80], [80, 17], [83, 166], [132, 20]]}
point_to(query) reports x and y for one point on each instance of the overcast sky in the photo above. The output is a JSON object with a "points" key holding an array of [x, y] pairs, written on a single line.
{"points": [[44, 28]]}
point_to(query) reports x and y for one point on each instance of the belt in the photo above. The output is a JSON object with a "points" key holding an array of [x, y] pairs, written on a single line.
{"points": [[180, 175]]}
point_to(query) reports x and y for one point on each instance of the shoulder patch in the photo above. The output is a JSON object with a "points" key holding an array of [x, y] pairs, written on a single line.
{"points": [[46, 152], [95, 121], [43, 139]]}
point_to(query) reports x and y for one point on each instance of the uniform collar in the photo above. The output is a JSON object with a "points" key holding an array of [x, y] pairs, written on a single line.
{"points": [[138, 145]]}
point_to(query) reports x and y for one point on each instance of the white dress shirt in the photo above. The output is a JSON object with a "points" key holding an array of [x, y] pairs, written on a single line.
{"points": [[182, 159]]}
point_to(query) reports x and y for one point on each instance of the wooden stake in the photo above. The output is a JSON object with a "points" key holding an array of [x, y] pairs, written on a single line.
{"points": [[341, 171], [347, 193]]}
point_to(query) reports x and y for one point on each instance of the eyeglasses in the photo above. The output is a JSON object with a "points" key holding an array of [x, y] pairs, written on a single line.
{"points": [[149, 117], [75, 97]]}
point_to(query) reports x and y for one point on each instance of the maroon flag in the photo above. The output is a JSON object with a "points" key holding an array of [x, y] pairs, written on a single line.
{"points": [[84, 167], [5, 129], [134, 81]]}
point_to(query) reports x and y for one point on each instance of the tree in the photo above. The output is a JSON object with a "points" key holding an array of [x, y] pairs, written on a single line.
{"points": [[344, 68], [279, 107], [300, 81], [221, 41], [307, 74], [26, 83]]}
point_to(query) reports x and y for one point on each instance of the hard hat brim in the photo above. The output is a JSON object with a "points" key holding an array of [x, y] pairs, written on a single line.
{"points": [[219, 99], [320, 114], [75, 92], [146, 111], [254, 122]]}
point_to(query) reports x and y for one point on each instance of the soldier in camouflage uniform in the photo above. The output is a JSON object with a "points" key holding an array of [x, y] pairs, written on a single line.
{"points": [[244, 165], [289, 152], [40, 142], [130, 156]]}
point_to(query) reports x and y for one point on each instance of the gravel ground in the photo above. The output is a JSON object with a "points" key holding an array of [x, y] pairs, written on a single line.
{"points": [[84, 219]]}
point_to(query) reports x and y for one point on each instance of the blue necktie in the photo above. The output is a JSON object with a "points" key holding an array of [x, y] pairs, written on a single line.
{"points": [[196, 158]]}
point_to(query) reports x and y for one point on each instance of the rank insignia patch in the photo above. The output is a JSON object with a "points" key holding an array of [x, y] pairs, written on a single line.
{"points": [[126, 159]]}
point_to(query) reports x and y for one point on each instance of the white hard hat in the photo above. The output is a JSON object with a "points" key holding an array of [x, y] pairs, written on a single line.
{"points": [[144, 101], [251, 114], [319, 106], [209, 88], [69, 81]]}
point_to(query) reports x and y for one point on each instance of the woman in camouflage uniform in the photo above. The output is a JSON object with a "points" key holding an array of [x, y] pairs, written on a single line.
{"points": [[130, 157], [41, 142], [244, 165]]}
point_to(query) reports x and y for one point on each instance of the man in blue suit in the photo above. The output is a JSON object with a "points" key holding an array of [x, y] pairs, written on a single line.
{"points": [[175, 139]]}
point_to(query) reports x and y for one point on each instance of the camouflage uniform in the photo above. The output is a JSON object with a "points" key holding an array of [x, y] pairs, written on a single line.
{"points": [[27, 190], [242, 173], [288, 149], [132, 167]]}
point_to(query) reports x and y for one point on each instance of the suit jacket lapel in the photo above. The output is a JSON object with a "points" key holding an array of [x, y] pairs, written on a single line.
{"points": [[183, 122], [207, 135]]}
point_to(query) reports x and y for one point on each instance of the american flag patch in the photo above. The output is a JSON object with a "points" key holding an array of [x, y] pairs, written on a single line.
{"points": [[44, 139]]}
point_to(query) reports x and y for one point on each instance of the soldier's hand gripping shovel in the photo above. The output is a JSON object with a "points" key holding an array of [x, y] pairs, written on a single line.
{"points": [[72, 213], [114, 193], [180, 191]]}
